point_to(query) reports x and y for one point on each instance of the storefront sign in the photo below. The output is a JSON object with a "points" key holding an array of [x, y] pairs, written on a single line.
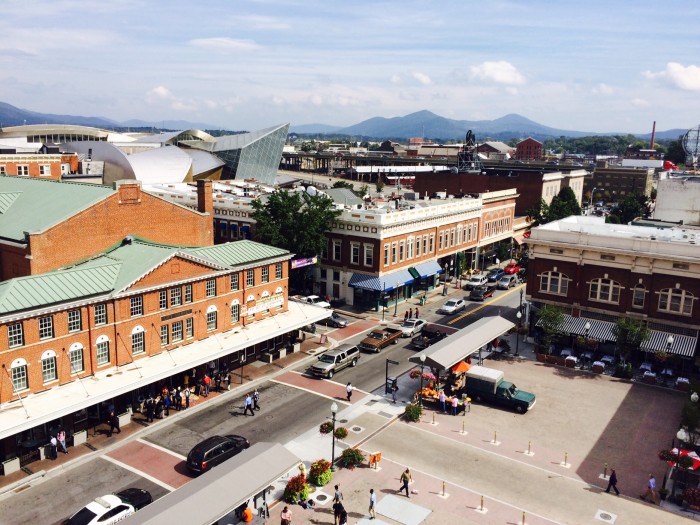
{"points": [[266, 303], [300, 263]]}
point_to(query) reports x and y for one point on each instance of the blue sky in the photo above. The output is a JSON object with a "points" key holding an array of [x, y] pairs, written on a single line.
{"points": [[599, 65]]}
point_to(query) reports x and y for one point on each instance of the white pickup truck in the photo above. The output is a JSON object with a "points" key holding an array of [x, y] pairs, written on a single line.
{"points": [[312, 299]]}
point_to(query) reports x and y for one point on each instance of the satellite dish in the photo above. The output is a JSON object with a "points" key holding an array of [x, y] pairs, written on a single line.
{"points": [[691, 144]]}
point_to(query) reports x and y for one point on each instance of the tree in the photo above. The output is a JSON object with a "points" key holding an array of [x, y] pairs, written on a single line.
{"points": [[563, 205], [628, 209], [538, 214], [343, 184], [379, 185], [629, 335], [550, 320], [675, 152]]}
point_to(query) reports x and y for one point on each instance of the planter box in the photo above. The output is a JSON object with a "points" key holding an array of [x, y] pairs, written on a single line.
{"points": [[570, 362], [683, 387], [598, 369], [79, 438], [124, 419], [11, 465], [283, 352], [542, 358], [650, 380], [296, 347]]}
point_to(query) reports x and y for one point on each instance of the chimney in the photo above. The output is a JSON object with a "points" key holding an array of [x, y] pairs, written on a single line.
{"points": [[205, 198]]}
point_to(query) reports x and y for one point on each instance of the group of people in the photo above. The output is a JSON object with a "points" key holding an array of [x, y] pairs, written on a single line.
{"points": [[410, 315], [252, 403], [58, 439], [158, 407]]}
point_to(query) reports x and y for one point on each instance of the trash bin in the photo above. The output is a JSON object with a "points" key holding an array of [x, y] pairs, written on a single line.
{"points": [[390, 382]]}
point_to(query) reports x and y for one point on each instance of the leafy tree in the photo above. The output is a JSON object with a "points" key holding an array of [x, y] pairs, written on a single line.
{"points": [[364, 190], [629, 335], [631, 207], [563, 205], [675, 152], [550, 320], [343, 184], [539, 214], [379, 185]]}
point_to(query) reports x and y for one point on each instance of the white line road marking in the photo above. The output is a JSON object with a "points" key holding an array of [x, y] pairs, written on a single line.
{"points": [[138, 472], [162, 449]]}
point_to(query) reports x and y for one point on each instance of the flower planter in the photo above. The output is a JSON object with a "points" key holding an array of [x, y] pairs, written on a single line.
{"points": [[598, 369], [79, 438], [9, 466], [542, 358], [124, 419]]}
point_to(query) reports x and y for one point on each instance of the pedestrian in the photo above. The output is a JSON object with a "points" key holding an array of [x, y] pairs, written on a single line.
{"points": [[248, 405], [372, 503], [61, 438], [343, 519], [455, 403], [612, 482], [207, 382], [187, 397], [166, 402], [114, 423], [150, 408], [217, 380], [53, 452], [338, 496], [651, 490], [442, 398], [337, 510], [416, 315], [405, 316], [405, 480], [394, 389], [177, 398], [286, 516], [348, 391], [256, 400]]}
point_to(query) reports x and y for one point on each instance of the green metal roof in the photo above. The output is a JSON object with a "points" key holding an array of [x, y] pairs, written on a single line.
{"points": [[239, 252], [32, 205]]}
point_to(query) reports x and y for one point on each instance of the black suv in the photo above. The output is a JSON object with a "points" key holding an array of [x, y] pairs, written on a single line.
{"points": [[214, 450]]}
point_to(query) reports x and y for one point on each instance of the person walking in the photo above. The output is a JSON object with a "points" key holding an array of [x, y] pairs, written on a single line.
{"points": [[248, 405], [150, 409], [114, 423], [455, 403], [61, 438], [338, 496], [405, 480], [177, 398], [286, 516], [53, 453], [612, 482], [442, 398], [207, 382], [410, 313], [372, 504], [416, 315], [256, 399], [394, 389], [405, 316], [337, 510], [166, 402], [348, 391], [187, 397], [651, 490]]}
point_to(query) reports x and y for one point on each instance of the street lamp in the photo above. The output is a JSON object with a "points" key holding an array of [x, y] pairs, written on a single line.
{"points": [[334, 411], [396, 303], [517, 336], [444, 288], [669, 343], [586, 329], [694, 397], [422, 364]]}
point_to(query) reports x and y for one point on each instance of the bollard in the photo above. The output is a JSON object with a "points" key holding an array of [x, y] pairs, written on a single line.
{"points": [[462, 427], [528, 448], [605, 470], [494, 437], [523, 517], [443, 488], [482, 503], [566, 457], [433, 418]]}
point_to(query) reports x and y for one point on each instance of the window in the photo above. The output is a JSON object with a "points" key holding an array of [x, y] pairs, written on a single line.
{"points": [[459, 234], [234, 282], [136, 306], [211, 321], [250, 278], [100, 314], [393, 252], [211, 287], [355, 253], [46, 327], [386, 255], [265, 274], [337, 250], [176, 296], [402, 246], [188, 293], [3, 169], [75, 323], [138, 342], [440, 241], [605, 291], [19, 376], [15, 335], [554, 282], [103, 351], [369, 255], [638, 294], [235, 313], [189, 328], [452, 237], [409, 248], [44, 170], [418, 246], [278, 270], [676, 301], [48, 368], [425, 244], [177, 331], [163, 299], [164, 335], [76, 360], [432, 243], [23, 170]]}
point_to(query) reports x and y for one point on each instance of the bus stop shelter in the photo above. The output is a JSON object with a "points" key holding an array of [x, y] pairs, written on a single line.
{"points": [[460, 345], [215, 494]]}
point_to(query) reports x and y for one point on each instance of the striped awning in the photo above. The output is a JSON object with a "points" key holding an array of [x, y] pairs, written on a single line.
{"points": [[427, 269], [599, 330], [682, 345], [380, 283]]}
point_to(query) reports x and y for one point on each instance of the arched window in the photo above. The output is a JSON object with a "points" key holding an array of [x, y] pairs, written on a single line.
{"points": [[18, 371], [75, 353], [138, 340], [102, 345], [638, 295], [604, 291], [211, 318], [554, 283], [235, 312], [48, 366], [676, 301]]}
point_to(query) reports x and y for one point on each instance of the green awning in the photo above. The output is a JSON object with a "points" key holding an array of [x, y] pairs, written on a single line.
{"points": [[414, 273]]}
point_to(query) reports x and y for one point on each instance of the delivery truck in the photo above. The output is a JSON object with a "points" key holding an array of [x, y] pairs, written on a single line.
{"points": [[488, 386]]}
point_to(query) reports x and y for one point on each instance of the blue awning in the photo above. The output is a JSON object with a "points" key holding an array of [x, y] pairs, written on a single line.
{"points": [[384, 282], [427, 268]]}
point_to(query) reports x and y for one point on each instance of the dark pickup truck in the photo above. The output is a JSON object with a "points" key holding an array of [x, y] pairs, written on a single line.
{"points": [[427, 337]]}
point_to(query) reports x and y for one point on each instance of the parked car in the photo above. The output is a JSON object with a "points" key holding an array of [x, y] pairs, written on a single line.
{"points": [[476, 280], [452, 306], [334, 361], [494, 275], [507, 281], [111, 508], [427, 337], [479, 293], [411, 327], [335, 321], [511, 268], [215, 450]]}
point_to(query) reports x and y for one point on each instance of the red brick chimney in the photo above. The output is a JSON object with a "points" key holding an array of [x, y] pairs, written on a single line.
{"points": [[205, 198]]}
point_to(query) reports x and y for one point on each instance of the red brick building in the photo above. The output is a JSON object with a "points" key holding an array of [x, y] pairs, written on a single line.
{"points": [[529, 149]]}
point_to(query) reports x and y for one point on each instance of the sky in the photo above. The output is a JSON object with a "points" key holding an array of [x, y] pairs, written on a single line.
{"points": [[599, 65]]}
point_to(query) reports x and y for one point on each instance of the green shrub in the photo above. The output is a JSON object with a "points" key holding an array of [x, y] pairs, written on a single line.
{"points": [[413, 411], [341, 433], [320, 473], [351, 457], [296, 490]]}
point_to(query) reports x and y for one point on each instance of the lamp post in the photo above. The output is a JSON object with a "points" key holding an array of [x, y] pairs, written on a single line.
{"points": [[334, 411], [669, 343], [444, 288], [422, 364], [590, 204], [383, 300], [396, 303], [517, 336]]}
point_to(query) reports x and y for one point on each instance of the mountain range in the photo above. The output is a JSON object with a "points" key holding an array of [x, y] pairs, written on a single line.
{"points": [[419, 124]]}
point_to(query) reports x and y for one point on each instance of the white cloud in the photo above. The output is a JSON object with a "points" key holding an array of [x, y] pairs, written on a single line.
{"points": [[640, 102], [500, 72], [678, 75], [225, 45], [603, 89], [422, 78], [263, 22], [158, 93], [395, 79]]}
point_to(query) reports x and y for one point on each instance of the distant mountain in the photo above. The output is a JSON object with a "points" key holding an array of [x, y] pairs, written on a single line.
{"points": [[311, 129], [165, 124]]}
